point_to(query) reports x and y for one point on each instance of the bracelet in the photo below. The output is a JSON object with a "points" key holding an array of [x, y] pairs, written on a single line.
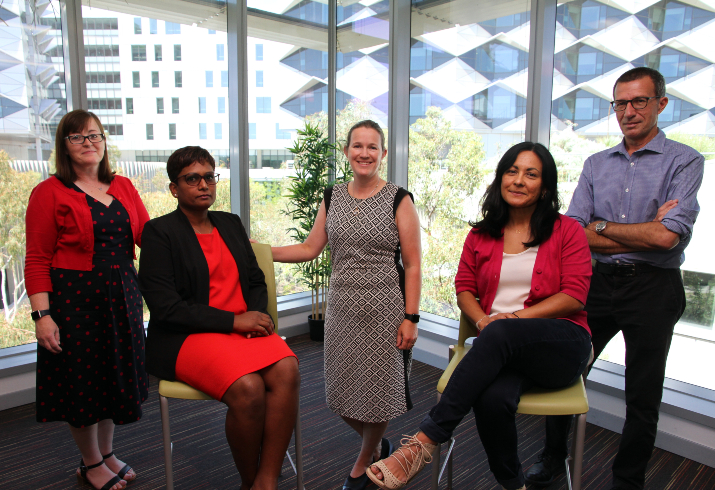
{"points": [[482, 318], [514, 313]]}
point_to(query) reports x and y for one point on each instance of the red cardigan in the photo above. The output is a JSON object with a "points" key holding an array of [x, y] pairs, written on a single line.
{"points": [[59, 228], [563, 265]]}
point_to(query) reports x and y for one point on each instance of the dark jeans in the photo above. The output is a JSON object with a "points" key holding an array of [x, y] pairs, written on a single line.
{"points": [[645, 308], [509, 357]]}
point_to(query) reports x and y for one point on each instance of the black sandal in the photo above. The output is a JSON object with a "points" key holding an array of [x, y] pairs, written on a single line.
{"points": [[126, 469], [83, 473]]}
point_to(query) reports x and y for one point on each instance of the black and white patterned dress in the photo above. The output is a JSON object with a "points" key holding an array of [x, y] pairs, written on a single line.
{"points": [[366, 376]]}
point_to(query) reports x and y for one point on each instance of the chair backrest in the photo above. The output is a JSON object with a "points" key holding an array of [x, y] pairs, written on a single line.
{"points": [[264, 256], [466, 329]]}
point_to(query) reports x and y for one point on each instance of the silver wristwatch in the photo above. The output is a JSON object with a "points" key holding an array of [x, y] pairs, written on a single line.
{"points": [[601, 226]]}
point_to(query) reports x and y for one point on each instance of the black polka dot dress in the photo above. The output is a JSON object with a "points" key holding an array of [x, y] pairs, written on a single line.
{"points": [[100, 372]]}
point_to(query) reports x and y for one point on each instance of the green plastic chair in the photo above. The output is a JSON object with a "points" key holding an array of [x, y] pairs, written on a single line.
{"points": [[177, 389], [571, 400]]}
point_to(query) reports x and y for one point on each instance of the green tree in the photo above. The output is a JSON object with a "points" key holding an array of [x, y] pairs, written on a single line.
{"points": [[15, 189], [701, 143], [446, 172]]}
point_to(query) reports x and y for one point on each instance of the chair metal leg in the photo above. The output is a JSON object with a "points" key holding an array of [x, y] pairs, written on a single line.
{"points": [[166, 433], [579, 439], [450, 460], [435, 467], [298, 451]]}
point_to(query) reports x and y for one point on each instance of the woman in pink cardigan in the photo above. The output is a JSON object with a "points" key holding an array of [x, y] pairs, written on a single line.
{"points": [[523, 280]]}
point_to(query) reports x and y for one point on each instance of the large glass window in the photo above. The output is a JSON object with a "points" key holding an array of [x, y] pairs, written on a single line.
{"points": [[32, 84], [467, 106], [591, 53], [139, 52], [280, 84], [157, 52]]}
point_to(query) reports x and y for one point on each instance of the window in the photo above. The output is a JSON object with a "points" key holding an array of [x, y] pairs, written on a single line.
{"points": [[177, 52], [251, 131], [212, 31], [104, 104], [209, 79], [150, 131], [172, 28], [202, 105], [224, 78], [102, 77], [174, 105], [92, 50], [263, 105], [219, 52], [218, 130], [135, 79], [222, 105], [91, 24], [259, 52], [177, 79], [152, 26], [155, 79], [138, 52], [202, 131], [259, 78], [172, 131], [282, 135], [114, 129], [160, 105], [157, 52], [137, 25], [130, 105]]}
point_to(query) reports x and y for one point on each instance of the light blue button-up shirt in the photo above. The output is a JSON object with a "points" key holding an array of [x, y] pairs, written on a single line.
{"points": [[624, 188]]}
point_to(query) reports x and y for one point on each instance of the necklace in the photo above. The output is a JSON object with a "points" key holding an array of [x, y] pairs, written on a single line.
{"points": [[356, 211], [90, 185]]}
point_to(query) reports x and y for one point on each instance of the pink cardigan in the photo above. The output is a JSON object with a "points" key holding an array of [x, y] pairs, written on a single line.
{"points": [[59, 228], [563, 265]]}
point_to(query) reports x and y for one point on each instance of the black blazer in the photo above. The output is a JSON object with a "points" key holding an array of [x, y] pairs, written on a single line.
{"points": [[174, 280]]}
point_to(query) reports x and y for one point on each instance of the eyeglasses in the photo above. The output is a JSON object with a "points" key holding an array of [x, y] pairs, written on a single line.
{"points": [[78, 139], [193, 179], [637, 103]]}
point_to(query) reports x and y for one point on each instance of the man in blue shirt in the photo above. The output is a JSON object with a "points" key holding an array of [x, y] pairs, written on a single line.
{"points": [[637, 203]]}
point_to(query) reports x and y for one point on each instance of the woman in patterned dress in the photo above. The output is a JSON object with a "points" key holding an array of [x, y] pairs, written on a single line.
{"points": [[373, 302], [82, 225]]}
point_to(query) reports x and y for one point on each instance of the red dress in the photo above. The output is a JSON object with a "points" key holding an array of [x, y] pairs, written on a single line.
{"points": [[212, 362]]}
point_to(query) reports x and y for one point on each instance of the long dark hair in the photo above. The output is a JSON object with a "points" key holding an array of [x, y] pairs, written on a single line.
{"points": [[74, 122], [495, 210]]}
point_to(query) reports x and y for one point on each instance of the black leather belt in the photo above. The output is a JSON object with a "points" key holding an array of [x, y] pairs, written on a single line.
{"points": [[625, 270]]}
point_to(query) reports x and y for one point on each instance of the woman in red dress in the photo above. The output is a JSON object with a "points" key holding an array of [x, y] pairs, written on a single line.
{"points": [[82, 226], [209, 327]]}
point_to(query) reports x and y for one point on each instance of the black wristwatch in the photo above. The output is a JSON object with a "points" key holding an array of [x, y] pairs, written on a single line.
{"points": [[412, 318], [37, 314]]}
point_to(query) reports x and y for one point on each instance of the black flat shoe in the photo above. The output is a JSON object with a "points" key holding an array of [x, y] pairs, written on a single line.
{"points": [[545, 470], [387, 449], [122, 473], [83, 474], [359, 483]]}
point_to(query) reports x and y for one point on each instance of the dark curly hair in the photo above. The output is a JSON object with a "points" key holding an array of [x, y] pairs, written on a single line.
{"points": [[495, 210], [183, 157]]}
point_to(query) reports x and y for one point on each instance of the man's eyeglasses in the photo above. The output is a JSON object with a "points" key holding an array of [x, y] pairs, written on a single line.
{"points": [[78, 139], [193, 180], [637, 103]]}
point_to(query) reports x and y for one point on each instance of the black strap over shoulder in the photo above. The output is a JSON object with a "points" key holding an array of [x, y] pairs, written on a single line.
{"points": [[327, 194], [399, 196]]}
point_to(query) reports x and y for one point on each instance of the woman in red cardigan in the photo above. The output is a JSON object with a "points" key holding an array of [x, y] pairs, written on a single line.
{"points": [[82, 225], [522, 280]]}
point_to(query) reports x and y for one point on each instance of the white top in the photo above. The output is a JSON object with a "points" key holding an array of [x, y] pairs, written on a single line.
{"points": [[514, 281]]}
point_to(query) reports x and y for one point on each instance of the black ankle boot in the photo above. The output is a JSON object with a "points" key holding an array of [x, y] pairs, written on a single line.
{"points": [[545, 470]]}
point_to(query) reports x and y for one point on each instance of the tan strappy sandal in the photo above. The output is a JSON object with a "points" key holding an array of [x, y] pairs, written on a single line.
{"points": [[421, 454]]}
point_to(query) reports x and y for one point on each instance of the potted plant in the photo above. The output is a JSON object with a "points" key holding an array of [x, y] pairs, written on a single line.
{"points": [[314, 170]]}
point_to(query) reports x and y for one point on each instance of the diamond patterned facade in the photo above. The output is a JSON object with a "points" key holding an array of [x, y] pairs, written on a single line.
{"points": [[26, 78], [477, 73]]}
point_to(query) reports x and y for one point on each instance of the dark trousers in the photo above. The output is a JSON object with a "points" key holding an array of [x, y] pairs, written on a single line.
{"points": [[509, 357], [645, 308]]}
